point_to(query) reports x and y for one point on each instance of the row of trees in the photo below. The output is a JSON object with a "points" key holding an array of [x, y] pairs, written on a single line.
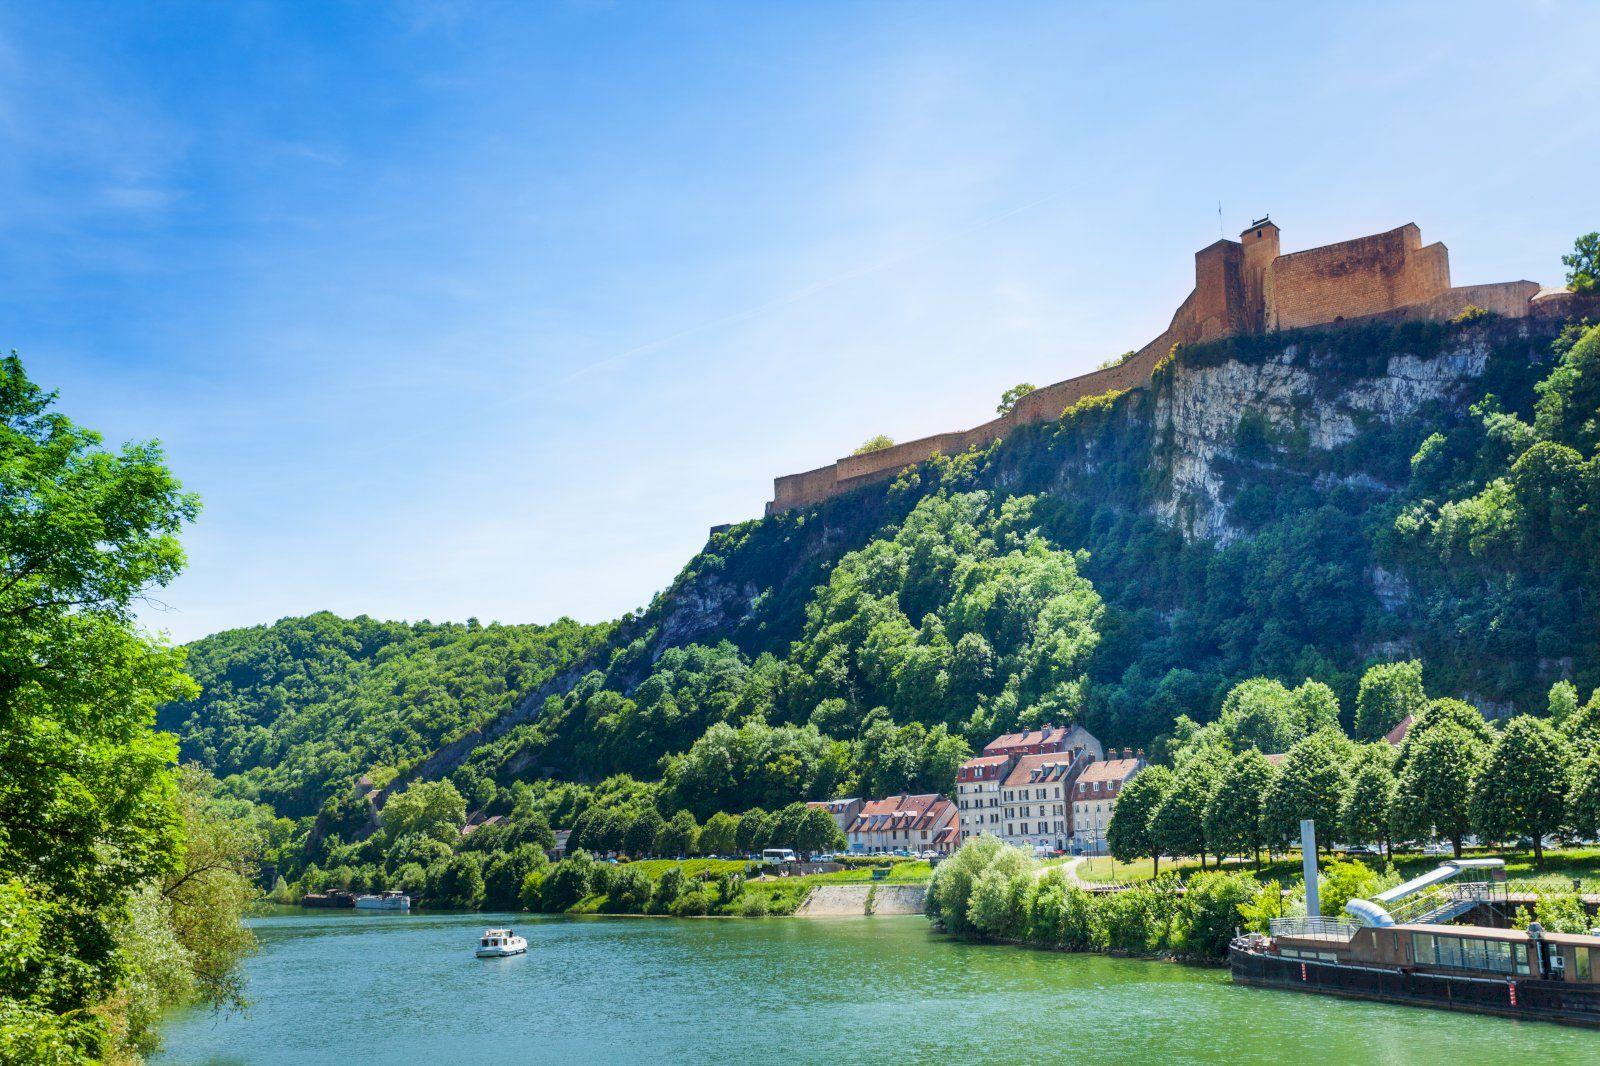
{"points": [[1452, 775], [646, 833]]}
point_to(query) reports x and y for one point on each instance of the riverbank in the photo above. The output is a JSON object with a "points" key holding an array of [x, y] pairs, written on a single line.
{"points": [[717, 887]]}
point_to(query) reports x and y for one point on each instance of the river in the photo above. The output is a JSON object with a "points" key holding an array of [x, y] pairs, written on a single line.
{"points": [[346, 988]]}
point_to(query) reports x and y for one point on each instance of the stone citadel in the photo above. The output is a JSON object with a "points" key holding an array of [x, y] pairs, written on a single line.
{"points": [[1241, 287]]}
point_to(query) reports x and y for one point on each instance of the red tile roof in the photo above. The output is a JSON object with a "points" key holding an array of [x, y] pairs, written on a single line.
{"points": [[1110, 770], [1398, 733], [986, 760], [902, 812], [1051, 766]]}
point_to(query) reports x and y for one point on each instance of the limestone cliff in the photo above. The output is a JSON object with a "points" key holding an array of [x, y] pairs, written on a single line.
{"points": [[1293, 394]]}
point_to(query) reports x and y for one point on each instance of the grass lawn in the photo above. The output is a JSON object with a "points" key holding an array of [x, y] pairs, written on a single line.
{"points": [[654, 868], [778, 895]]}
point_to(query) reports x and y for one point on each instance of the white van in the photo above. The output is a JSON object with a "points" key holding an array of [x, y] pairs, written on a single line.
{"points": [[778, 855]]}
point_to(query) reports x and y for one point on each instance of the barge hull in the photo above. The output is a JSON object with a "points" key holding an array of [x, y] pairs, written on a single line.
{"points": [[1520, 997]]}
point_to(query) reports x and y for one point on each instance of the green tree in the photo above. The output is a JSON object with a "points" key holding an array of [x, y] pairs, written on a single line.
{"points": [[1367, 808], [1130, 835], [719, 835], [1583, 801], [567, 882], [88, 806], [1179, 821], [1260, 713], [1211, 903], [1562, 703], [1342, 881], [1522, 787], [1388, 692], [999, 891], [678, 836], [457, 882], [630, 892], [427, 808], [505, 871], [1009, 398], [671, 885], [640, 837], [1583, 264], [1434, 793], [747, 837], [784, 831], [876, 443], [1310, 784], [1234, 817], [818, 833]]}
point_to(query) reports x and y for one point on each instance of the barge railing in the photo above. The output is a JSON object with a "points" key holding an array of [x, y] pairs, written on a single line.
{"points": [[1312, 927]]}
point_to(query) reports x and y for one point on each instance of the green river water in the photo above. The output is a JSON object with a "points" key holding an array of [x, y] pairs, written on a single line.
{"points": [[354, 989]]}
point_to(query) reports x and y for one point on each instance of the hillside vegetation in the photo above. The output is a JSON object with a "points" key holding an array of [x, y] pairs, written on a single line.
{"points": [[1292, 507]]}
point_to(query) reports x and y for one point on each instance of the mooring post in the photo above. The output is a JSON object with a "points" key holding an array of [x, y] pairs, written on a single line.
{"points": [[1308, 865]]}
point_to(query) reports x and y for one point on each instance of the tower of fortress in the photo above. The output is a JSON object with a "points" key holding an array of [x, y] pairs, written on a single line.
{"points": [[1244, 287]]}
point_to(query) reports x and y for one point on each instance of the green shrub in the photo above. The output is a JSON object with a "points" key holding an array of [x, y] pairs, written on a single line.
{"points": [[567, 882], [630, 892], [998, 894], [692, 904], [752, 906], [671, 885], [1557, 913], [1211, 911]]}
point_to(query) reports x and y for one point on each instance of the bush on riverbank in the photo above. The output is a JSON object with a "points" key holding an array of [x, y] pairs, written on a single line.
{"points": [[581, 885], [990, 890]]}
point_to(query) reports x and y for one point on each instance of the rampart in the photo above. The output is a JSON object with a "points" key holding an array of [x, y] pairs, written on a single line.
{"points": [[1241, 287]]}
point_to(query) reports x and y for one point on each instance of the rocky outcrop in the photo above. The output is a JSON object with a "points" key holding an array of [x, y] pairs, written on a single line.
{"points": [[1292, 395]]}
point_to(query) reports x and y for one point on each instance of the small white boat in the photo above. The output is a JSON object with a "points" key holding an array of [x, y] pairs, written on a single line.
{"points": [[384, 901], [497, 943]]}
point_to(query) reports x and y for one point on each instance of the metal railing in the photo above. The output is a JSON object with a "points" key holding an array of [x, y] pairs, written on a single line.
{"points": [[1447, 901], [1314, 928]]}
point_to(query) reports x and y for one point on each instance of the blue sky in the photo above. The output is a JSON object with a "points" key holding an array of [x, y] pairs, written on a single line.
{"points": [[452, 310]]}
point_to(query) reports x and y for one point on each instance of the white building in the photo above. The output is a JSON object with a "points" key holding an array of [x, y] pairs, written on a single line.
{"points": [[978, 793], [1094, 798], [1036, 796]]}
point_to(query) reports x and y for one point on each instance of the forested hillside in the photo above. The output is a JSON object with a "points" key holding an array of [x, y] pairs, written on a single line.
{"points": [[1293, 507], [296, 711]]}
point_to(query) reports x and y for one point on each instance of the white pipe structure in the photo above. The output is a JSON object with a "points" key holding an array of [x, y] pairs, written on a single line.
{"points": [[1376, 911]]}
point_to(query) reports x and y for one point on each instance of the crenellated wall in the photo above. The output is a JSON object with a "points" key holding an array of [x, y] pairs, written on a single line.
{"points": [[1241, 287]]}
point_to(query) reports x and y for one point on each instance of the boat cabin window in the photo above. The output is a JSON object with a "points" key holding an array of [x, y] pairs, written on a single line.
{"points": [[1463, 953], [1582, 965]]}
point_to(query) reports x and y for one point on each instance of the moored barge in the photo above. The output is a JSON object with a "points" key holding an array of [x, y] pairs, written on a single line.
{"points": [[1413, 955]]}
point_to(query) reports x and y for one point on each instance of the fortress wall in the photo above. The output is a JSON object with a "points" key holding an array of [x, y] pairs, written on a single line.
{"points": [[1561, 303], [1217, 306], [852, 467], [1353, 279], [1513, 299], [1388, 275], [802, 490]]}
